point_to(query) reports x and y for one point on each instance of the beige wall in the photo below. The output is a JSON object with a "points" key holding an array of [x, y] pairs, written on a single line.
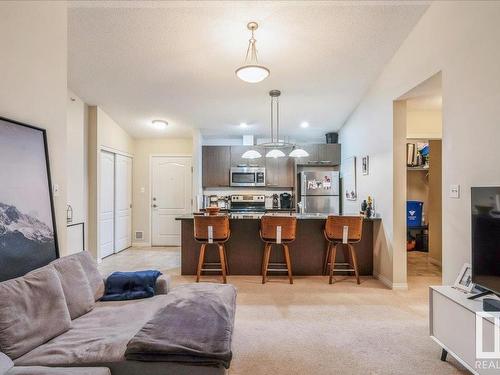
{"points": [[460, 39], [103, 132], [77, 177], [144, 148], [33, 36], [426, 124]]}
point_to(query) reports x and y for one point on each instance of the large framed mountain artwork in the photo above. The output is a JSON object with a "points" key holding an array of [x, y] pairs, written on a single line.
{"points": [[28, 238]]}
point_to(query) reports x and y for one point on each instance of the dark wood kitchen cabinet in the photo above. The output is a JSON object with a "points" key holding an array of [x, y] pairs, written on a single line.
{"points": [[280, 172], [216, 166], [237, 151], [329, 152], [320, 154]]}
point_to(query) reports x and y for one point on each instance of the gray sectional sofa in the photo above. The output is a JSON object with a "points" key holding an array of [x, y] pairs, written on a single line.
{"points": [[52, 317]]}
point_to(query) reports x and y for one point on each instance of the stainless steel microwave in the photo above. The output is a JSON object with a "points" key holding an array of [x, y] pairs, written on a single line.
{"points": [[248, 176]]}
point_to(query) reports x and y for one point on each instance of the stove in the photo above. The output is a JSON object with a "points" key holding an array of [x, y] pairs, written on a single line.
{"points": [[248, 203]]}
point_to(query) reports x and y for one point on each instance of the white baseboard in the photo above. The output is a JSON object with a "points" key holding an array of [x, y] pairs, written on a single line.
{"points": [[388, 283], [435, 262], [141, 244]]}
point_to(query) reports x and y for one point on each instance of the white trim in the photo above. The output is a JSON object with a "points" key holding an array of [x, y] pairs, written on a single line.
{"points": [[383, 279], [399, 286], [115, 151], [170, 155], [435, 262], [141, 244], [388, 283]]}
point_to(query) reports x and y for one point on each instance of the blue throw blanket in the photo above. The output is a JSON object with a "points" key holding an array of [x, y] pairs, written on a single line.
{"points": [[122, 286]]}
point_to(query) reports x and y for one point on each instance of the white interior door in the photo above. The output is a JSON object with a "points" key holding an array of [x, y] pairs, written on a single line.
{"points": [[123, 202], [106, 204], [171, 185]]}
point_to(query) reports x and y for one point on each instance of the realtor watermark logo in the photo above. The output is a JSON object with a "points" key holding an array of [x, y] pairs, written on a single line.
{"points": [[487, 358]]}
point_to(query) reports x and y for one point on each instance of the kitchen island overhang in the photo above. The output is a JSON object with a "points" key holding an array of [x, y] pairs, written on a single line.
{"points": [[245, 248]]}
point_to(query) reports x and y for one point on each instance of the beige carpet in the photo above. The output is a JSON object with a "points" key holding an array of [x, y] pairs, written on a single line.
{"points": [[315, 328]]}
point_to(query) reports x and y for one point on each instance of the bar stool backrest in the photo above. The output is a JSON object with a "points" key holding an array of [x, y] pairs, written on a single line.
{"points": [[334, 228], [220, 225], [268, 225]]}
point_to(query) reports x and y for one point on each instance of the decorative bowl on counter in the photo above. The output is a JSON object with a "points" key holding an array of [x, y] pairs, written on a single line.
{"points": [[212, 210]]}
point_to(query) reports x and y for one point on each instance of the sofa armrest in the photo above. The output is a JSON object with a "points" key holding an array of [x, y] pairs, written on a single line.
{"points": [[5, 364], [163, 284]]}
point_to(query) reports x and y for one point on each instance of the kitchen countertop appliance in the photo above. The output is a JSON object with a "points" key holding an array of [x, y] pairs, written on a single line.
{"points": [[285, 201], [248, 176], [248, 203], [319, 192]]}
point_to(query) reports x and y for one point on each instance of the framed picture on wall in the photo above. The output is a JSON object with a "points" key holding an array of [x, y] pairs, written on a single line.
{"points": [[365, 164], [28, 238]]}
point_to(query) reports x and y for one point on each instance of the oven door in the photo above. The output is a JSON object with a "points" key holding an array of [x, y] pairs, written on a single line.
{"points": [[242, 177]]}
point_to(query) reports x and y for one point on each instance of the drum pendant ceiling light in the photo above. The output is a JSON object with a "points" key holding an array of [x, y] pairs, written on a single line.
{"points": [[251, 71]]}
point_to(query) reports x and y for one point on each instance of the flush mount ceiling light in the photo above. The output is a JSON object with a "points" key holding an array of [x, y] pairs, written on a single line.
{"points": [[304, 124], [159, 124], [251, 71], [276, 145]]}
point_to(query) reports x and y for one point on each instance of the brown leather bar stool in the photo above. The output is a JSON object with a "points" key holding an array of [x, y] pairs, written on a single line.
{"points": [[212, 230], [334, 234], [278, 230]]}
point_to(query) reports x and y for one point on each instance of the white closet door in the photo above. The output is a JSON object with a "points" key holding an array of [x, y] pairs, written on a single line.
{"points": [[123, 202], [106, 204], [171, 185]]}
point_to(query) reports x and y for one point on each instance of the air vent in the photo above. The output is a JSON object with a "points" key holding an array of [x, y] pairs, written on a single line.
{"points": [[139, 235]]}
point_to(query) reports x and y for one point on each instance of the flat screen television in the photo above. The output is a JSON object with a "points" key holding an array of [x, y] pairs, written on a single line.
{"points": [[486, 237]]}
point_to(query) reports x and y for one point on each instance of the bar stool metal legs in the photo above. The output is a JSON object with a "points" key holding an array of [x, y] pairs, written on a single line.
{"points": [[330, 265], [222, 262], [266, 264]]}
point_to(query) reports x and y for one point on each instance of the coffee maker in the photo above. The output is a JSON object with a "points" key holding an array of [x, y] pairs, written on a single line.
{"points": [[286, 201]]}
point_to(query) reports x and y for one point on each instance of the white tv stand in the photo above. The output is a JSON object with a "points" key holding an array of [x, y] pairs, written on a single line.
{"points": [[453, 326]]}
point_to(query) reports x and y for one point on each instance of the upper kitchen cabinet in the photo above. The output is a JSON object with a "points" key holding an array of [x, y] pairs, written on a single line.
{"points": [[321, 154], [216, 166], [329, 153], [236, 159], [280, 172]]}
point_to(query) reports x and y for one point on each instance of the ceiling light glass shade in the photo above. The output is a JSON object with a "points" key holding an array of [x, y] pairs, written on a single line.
{"points": [[275, 153], [252, 73], [298, 153], [251, 154], [159, 124]]}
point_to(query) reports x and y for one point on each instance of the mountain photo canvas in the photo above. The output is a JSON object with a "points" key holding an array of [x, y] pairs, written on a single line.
{"points": [[27, 227]]}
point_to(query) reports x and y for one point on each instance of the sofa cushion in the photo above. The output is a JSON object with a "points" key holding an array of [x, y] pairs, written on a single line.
{"points": [[32, 311], [39, 370], [5, 364], [100, 336], [93, 275], [76, 286]]}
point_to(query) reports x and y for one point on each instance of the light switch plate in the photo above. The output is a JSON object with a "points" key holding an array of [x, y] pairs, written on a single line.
{"points": [[454, 191]]}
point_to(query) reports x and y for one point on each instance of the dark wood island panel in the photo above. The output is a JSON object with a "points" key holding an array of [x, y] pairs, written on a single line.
{"points": [[245, 248]]}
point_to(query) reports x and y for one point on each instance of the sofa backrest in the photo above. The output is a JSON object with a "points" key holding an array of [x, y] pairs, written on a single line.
{"points": [[93, 275], [32, 311]]}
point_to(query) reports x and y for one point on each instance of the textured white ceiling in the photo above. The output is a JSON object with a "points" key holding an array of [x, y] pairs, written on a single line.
{"points": [[175, 61]]}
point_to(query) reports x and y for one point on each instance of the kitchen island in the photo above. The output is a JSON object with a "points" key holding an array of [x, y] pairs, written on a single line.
{"points": [[245, 248]]}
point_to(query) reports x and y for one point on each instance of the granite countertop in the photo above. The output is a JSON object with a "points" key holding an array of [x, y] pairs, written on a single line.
{"points": [[257, 216]]}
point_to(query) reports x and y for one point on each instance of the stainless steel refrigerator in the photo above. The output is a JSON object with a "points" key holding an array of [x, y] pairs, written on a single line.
{"points": [[319, 192]]}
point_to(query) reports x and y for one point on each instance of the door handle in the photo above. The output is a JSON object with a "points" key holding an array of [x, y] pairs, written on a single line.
{"points": [[154, 206]]}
